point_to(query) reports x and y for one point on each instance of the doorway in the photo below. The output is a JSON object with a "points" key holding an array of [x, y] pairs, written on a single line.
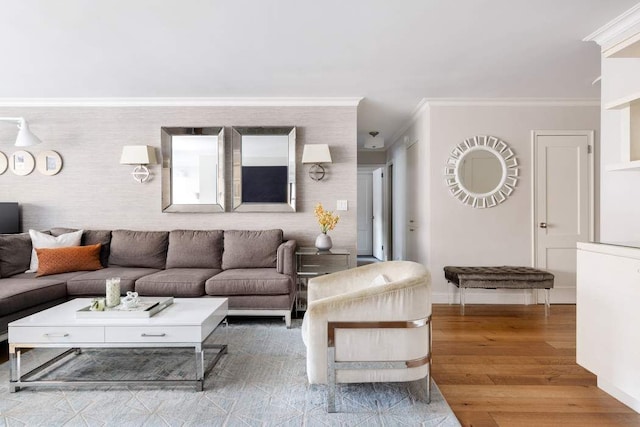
{"points": [[563, 205], [371, 211]]}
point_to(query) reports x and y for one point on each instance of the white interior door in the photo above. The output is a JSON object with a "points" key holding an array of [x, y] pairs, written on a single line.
{"points": [[377, 203], [365, 213], [563, 200], [413, 198]]}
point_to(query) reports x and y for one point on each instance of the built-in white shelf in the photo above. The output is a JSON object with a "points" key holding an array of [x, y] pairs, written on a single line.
{"points": [[627, 166], [623, 102], [629, 110]]}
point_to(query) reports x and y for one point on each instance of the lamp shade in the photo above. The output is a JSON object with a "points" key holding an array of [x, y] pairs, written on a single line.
{"points": [[138, 155], [25, 136], [316, 153], [374, 141]]}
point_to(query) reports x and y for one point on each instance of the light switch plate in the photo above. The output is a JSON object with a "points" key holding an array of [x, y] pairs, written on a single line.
{"points": [[342, 205]]}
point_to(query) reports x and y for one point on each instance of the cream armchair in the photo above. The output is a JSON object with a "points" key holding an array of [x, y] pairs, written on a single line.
{"points": [[359, 329]]}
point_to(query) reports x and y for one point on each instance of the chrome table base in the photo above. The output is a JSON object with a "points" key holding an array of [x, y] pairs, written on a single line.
{"points": [[19, 380]]}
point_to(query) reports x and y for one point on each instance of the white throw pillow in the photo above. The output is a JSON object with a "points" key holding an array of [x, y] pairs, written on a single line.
{"points": [[41, 240], [380, 280]]}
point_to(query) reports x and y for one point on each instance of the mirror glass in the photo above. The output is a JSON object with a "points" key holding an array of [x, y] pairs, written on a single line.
{"points": [[193, 169], [264, 173], [480, 171]]}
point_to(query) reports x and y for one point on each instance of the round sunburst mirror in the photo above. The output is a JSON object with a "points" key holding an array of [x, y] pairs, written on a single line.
{"points": [[482, 171]]}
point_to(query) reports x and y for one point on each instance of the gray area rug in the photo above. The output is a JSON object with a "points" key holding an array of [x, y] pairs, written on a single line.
{"points": [[260, 382]]}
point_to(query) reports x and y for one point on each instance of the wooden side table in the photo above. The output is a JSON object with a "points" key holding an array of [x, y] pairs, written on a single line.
{"points": [[312, 262]]}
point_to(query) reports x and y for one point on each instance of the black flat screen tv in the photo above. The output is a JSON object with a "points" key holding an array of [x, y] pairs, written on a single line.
{"points": [[9, 218]]}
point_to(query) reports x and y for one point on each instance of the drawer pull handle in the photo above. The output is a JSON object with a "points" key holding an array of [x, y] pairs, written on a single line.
{"points": [[56, 335], [153, 335]]}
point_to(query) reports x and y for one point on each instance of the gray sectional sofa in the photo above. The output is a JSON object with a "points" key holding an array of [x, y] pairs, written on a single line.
{"points": [[255, 270]]}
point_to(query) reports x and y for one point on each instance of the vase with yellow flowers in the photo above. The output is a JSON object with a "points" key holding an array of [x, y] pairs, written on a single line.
{"points": [[328, 221]]}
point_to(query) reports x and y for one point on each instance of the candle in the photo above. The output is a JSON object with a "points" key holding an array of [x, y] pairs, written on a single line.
{"points": [[113, 292]]}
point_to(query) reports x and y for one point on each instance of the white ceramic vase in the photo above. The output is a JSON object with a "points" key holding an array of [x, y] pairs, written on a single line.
{"points": [[323, 242]]}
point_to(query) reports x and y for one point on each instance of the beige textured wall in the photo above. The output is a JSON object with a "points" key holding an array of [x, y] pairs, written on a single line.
{"points": [[500, 235], [372, 157], [94, 191]]}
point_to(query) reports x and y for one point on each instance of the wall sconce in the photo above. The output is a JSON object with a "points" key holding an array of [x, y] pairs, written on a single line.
{"points": [[25, 137], [140, 155], [316, 154]]}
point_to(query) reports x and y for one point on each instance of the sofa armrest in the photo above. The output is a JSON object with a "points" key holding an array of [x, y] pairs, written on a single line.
{"points": [[286, 259]]}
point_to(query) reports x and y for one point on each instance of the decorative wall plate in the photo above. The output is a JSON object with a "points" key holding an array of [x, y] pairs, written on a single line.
{"points": [[21, 163], [482, 171], [4, 163], [48, 162]]}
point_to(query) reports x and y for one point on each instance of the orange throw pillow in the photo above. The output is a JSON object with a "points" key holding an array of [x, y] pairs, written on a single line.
{"points": [[68, 259]]}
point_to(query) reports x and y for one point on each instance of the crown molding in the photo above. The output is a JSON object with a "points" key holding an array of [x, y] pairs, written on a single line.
{"points": [[184, 102], [489, 102], [415, 114], [614, 28], [513, 102]]}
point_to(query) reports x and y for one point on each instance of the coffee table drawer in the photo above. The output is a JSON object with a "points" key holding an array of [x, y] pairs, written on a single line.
{"points": [[54, 335], [152, 334]]}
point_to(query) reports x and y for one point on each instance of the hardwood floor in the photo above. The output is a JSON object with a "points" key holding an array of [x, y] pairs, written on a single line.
{"points": [[508, 365]]}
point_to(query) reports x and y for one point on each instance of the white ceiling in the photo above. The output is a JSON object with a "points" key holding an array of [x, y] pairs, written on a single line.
{"points": [[391, 52]]}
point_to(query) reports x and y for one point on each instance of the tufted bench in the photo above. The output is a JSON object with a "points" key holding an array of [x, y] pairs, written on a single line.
{"points": [[504, 277]]}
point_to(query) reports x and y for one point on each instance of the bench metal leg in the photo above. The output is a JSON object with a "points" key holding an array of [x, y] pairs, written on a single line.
{"points": [[462, 302], [547, 304]]}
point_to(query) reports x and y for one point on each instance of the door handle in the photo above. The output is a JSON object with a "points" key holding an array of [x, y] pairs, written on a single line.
{"points": [[152, 335], [543, 225]]}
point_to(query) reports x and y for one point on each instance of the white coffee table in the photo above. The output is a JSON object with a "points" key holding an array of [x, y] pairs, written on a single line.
{"points": [[187, 323]]}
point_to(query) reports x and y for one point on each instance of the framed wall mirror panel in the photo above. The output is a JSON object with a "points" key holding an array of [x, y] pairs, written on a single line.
{"points": [[264, 169], [193, 169]]}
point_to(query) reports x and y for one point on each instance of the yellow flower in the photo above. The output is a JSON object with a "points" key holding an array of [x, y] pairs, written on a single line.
{"points": [[326, 219]]}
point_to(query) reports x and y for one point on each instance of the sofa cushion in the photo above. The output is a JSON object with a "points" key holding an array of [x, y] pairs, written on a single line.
{"points": [[20, 294], [147, 249], [45, 240], [195, 249], [250, 249], [15, 253], [65, 260], [91, 237], [94, 283], [248, 281], [176, 282], [63, 277]]}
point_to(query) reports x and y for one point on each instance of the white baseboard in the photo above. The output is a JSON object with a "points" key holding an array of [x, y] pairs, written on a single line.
{"points": [[623, 397]]}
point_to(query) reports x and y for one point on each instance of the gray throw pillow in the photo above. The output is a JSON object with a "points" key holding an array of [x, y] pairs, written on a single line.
{"points": [[195, 249], [250, 249], [147, 249], [15, 254]]}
